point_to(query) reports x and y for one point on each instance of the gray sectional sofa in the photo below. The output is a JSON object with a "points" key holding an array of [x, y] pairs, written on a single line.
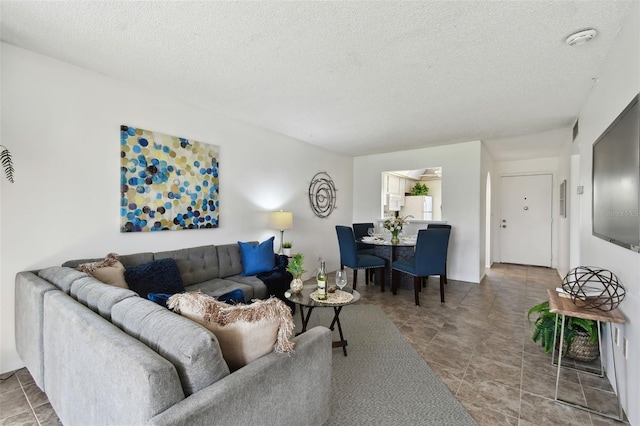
{"points": [[105, 356]]}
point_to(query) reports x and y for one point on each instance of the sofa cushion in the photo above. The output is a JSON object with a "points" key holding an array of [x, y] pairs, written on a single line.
{"points": [[257, 258], [260, 290], [229, 259], [98, 296], [218, 286], [108, 270], [196, 264], [60, 276], [245, 332], [159, 276], [192, 349]]}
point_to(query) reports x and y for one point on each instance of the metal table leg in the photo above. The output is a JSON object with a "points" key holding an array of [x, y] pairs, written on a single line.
{"points": [[336, 320], [619, 417], [342, 343]]}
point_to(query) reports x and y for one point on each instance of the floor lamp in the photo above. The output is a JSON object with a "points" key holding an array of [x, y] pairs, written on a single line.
{"points": [[281, 220]]}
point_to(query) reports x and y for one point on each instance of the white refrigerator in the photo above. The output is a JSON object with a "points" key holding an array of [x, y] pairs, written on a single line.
{"points": [[418, 206]]}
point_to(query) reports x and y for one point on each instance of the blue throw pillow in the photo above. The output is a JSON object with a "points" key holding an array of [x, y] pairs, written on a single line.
{"points": [[257, 258], [159, 276], [233, 297]]}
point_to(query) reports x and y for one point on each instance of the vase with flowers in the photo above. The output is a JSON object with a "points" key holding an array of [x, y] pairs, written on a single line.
{"points": [[395, 225]]}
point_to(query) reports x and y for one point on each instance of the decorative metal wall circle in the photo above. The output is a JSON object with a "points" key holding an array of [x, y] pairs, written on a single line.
{"points": [[322, 194]]}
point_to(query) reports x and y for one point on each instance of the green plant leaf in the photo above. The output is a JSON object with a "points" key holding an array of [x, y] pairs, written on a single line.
{"points": [[295, 265], [7, 163], [545, 327]]}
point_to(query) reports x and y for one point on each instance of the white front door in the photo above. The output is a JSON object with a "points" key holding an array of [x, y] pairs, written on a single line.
{"points": [[525, 223]]}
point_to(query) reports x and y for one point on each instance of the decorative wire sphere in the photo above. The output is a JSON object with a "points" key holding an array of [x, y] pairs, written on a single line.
{"points": [[593, 288]]}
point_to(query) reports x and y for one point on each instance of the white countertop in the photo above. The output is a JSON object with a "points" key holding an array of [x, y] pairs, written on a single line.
{"points": [[417, 221]]}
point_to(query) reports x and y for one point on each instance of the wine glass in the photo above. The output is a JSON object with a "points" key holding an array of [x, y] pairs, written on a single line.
{"points": [[371, 231], [341, 278]]}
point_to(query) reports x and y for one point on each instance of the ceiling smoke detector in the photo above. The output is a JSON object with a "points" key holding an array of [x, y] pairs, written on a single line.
{"points": [[581, 37]]}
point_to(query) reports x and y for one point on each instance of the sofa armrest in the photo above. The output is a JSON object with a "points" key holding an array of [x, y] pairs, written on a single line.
{"points": [[264, 391], [29, 319]]}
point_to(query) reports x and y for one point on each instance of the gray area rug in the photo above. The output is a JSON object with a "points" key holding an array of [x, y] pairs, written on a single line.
{"points": [[383, 380]]}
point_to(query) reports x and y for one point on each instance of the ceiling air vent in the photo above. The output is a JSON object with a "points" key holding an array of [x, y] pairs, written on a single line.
{"points": [[575, 130]]}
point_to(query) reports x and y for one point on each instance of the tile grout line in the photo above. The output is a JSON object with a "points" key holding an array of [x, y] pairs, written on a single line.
{"points": [[28, 401]]}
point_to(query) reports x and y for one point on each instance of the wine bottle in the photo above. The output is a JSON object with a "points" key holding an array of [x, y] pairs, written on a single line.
{"points": [[321, 279]]}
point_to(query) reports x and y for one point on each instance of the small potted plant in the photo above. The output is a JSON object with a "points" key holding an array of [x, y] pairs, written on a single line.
{"points": [[286, 248], [295, 267], [580, 335], [419, 189]]}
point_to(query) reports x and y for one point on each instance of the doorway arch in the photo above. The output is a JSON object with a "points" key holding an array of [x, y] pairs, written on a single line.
{"points": [[487, 223]]}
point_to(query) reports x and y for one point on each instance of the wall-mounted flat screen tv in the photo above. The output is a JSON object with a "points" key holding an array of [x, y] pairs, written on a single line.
{"points": [[616, 180]]}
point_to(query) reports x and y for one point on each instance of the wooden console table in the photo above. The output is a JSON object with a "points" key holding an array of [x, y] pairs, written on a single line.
{"points": [[562, 306]]}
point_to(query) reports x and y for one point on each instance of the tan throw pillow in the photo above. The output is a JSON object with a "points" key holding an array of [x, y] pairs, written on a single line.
{"points": [[109, 271], [244, 332]]}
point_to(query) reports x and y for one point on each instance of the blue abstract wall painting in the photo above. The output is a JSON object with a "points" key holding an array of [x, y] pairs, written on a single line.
{"points": [[167, 182]]}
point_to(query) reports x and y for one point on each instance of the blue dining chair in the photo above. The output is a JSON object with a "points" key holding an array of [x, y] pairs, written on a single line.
{"points": [[350, 257], [430, 258], [362, 230], [439, 226]]}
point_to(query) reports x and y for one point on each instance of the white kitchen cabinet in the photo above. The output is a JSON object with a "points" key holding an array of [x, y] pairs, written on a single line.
{"points": [[393, 185]]}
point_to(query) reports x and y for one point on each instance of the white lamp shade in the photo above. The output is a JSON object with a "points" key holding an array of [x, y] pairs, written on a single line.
{"points": [[281, 220]]}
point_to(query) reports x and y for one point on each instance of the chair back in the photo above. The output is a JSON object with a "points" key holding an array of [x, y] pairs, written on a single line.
{"points": [[348, 247], [438, 226], [431, 251], [362, 230]]}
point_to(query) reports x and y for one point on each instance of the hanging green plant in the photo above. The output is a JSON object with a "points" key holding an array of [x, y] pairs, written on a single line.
{"points": [[7, 163]]}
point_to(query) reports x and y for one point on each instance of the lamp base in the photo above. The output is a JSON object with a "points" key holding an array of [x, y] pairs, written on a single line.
{"points": [[281, 251]]}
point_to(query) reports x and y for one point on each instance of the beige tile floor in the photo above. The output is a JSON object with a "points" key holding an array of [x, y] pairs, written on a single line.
{"points": [[478, 342]]}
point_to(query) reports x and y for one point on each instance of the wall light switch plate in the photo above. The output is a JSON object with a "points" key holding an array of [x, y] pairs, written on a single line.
{"points": [[616, 336], [625, 349]]}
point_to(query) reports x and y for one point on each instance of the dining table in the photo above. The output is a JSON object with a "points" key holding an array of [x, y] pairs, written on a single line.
{"points": [[390, 252]]}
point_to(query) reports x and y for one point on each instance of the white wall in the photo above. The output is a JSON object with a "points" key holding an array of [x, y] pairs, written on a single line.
{"points": [[619, 82], [527, 167], [461, 188], [62, 124], [564, 224]]}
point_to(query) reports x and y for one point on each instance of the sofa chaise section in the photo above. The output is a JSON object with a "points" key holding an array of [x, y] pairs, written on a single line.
{"points": [[97, 374], [276, 389]]}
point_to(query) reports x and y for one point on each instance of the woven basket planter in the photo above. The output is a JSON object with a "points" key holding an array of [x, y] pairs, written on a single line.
{"points": [[581, 348]]}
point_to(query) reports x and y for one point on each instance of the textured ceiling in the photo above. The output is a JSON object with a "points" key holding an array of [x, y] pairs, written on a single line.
{"points": [[354, 77]]}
